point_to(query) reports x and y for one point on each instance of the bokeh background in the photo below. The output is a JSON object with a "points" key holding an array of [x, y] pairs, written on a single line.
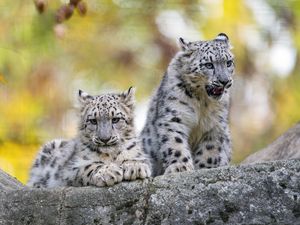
{"points": [[111, 45]]}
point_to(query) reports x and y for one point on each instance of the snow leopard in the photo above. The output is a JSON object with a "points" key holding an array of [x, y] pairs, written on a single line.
{"points": [[187, 124], [104, 152]]}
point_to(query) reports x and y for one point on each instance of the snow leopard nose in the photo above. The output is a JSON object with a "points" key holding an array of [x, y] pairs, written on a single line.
{"points": [[105, 140], [224, 82]]}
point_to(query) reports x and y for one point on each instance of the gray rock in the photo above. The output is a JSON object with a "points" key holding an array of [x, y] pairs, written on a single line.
{"points": [[7, 182], [267, 193], [287, 146]]}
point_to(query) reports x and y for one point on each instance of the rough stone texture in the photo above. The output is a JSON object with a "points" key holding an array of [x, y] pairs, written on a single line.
{"points": [[267, 193], [287, 146], [8, 183]]}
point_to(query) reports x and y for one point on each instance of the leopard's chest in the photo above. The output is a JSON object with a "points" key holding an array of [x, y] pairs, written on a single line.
{"points": [[206, 119]]}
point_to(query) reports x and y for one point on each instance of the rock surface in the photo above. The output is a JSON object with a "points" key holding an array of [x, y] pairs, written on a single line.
{"points": [[287, 146], [267, 193], [8, 183]]}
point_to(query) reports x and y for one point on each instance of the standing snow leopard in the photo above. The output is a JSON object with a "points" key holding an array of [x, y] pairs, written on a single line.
{"points": [[105, 151], [187, 122]]}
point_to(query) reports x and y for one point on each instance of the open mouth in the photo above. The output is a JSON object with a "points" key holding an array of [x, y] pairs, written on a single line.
{"points": [[214, 91], [217, 91]]}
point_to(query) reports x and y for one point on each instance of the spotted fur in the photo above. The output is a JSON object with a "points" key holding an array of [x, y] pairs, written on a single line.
{"points": [[187, 123], [105, 151]]}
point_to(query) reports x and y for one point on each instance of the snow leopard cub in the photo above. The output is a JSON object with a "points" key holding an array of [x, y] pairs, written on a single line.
{"points": [[104, 152], [187, 124]]}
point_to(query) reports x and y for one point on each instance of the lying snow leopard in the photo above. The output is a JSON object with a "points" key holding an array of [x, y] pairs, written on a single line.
{"points": [[187, 123], [105, 151]]}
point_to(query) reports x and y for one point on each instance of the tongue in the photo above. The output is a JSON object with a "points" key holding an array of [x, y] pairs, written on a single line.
{"points": [[218, 90]]}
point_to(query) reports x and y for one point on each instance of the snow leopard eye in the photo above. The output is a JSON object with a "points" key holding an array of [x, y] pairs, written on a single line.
{"points": [[115, 120], [229, 63], [209, 65], [93, 121]]}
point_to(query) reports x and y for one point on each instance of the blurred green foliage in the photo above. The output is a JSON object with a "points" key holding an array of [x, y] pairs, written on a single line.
{"points": [[121, 43]]}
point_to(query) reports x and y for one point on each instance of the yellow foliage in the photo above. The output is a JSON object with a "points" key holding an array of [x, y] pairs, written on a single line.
{"points": [[16, 159], [18, 117], [287, 104], [2, 80]]}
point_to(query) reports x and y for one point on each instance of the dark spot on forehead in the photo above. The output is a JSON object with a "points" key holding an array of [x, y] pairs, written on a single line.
{"points": [[105, 105], [213, 51]]}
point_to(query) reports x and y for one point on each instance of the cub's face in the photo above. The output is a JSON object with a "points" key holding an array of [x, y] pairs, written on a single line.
{"points": [[106, 120], [208, 65]]}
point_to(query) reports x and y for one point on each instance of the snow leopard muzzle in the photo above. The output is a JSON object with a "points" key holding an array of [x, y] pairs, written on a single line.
{"points": [[217, 89]]}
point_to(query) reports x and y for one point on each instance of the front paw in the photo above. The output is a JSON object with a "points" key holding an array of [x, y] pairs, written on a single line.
{"points": [[133, 170], [179, 167], [108, 175]]}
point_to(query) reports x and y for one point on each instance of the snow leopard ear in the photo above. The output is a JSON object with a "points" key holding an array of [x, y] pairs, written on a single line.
{"points": [[84, 97], [129, 97], [184, 45], [222, 37]]}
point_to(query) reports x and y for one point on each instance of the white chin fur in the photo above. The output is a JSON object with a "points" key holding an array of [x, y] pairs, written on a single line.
{"points": [[108, 149]]}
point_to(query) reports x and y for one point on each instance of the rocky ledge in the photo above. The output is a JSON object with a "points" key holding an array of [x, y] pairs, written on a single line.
{"points": [[266, 193]]}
